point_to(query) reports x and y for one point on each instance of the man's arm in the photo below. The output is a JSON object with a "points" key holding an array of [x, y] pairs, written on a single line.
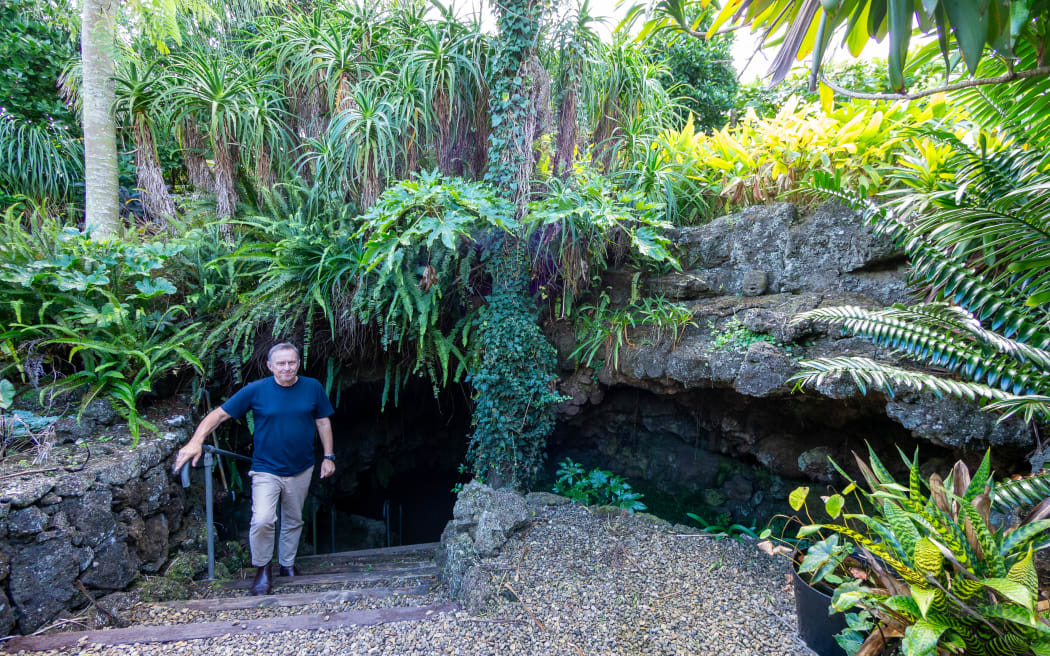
{"points": [[324, 431], [193, 448]]}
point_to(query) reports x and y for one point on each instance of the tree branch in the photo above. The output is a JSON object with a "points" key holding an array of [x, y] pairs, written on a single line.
{"points": [[1012, 76]]}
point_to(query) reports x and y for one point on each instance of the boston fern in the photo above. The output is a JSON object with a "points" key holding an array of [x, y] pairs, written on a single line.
{"points": [[981, 246]]}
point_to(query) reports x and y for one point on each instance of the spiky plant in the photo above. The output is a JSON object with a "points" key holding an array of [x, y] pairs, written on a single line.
{"points": [[139, 89], [982, 251], [939, 575], [212, 88]]}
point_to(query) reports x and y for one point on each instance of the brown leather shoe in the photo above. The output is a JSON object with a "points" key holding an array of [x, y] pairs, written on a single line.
{"points": [[289, 571], [263, 583]]}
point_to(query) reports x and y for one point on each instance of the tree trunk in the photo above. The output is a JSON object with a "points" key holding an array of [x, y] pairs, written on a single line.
{"points": [[371, 186], [102, 187], [197, 168], [155, 197], [225, 193], [568, 128]]}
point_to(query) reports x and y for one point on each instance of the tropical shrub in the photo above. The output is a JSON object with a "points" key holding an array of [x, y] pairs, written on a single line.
{"points": [[95, 318], [934, 570], [581, 227], [596, 486], [763, 159]]}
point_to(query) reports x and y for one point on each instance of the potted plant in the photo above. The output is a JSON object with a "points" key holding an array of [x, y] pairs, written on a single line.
{"points": [[926, 565]]}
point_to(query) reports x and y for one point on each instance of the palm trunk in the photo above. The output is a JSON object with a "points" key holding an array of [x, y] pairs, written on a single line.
{"points": [[197, 168], [225, 193], [149, 175], [371, 186], [264, 177], [568, 129], [102, 187], [442, 106]]}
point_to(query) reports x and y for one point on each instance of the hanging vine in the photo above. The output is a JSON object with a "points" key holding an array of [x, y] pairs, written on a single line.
{"points": [[513, 374]]}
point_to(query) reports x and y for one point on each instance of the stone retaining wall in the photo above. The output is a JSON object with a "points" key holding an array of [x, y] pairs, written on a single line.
{"points": [[103, 525]]}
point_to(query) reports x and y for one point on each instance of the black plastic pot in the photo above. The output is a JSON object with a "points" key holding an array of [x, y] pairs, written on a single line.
{"points": [[816, 627]]}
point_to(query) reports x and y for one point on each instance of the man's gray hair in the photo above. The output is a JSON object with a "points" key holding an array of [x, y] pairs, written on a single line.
{"points": [[283, 346]]}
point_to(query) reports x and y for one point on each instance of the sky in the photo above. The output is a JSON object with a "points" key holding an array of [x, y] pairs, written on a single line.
{"points": [[749, 65]]}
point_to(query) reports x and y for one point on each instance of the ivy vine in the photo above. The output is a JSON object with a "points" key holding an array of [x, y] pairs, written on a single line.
{"points": [[513, 375]]}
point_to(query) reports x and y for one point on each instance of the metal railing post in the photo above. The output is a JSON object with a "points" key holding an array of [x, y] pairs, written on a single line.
{"points": [[209, 511]]}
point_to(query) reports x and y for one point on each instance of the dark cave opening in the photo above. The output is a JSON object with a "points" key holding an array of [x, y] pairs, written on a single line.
{"points": [[396, 466]]}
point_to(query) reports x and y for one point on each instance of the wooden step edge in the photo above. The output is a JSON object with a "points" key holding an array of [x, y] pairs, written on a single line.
{"points": [[342, 577], [422, 547], [201, 630], [293, 599]]}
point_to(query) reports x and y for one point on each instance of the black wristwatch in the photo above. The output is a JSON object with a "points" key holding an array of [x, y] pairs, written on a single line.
{"points": [[332, 458]]}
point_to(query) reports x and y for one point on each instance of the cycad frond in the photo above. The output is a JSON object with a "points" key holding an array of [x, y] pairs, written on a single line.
{"points": [[867, 373], [1025, 491], [945, 336]]}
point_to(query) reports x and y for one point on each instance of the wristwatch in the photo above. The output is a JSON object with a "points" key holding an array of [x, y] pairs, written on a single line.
{"points": [[332, 458]]}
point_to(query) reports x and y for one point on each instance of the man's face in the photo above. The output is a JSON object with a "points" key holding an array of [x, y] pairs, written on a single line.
{"points": [[284, 364]]}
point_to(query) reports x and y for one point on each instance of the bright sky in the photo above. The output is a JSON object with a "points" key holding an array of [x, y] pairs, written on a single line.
{"points": [[753, 65]]}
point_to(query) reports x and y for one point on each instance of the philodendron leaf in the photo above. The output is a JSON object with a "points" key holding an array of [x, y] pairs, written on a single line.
{"points": [[833, 505], [1012, 591], [848, 595], [7, 394], [921, 638], [797, 498], [150, 287]]}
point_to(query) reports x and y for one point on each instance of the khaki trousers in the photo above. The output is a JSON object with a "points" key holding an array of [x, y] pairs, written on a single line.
{"points": [[267, 490]]}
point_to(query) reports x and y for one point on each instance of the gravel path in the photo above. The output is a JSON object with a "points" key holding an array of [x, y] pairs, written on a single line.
{"points": [[574, 583]]}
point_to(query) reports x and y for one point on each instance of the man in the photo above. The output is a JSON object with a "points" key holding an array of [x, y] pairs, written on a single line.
{"points": [[288, 410]]}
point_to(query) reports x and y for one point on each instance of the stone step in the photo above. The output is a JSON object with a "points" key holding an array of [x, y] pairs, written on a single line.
{"points": [[221, 604], [423, 548], [199, 630], [335, 577]]}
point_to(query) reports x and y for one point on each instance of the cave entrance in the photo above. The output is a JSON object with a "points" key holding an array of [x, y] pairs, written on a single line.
{"points": [[727, 457], [396, 467]]}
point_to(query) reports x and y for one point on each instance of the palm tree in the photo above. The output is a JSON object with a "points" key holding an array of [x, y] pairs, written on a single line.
{"points": [[213, 87], [982, 249], [102, 188], [139, 88], [577, 41], [370, 130], [439, 61]]}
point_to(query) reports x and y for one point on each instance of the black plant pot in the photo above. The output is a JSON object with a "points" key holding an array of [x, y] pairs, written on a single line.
{"points": [[815, 625]]}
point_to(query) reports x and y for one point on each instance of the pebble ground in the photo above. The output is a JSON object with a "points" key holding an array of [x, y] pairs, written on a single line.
{"points": [[575, 582]]}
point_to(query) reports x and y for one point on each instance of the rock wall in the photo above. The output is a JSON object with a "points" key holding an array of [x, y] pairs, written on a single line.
{"points": [[745, 277], [102, 525]]}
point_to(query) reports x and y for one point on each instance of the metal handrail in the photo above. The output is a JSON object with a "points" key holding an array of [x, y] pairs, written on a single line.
{"points": [[209, 503]]}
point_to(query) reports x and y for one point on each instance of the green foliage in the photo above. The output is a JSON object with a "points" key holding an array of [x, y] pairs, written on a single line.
{"points": [[596, 487], [764, 159], [36, 45], [963, 28], [581, 227], [39, 162], [723, 527], [936, 571], [980, 243], [514, 390], [94, 318], [404, 268], [700, 72], [603, 331], [734, 336]]}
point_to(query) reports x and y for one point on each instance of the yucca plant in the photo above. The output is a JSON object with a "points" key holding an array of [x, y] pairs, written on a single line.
{"points": [[926, 559], [981, 248]]}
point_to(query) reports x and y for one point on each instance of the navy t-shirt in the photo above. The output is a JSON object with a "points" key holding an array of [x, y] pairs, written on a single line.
{"points": [[284, 422]]}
